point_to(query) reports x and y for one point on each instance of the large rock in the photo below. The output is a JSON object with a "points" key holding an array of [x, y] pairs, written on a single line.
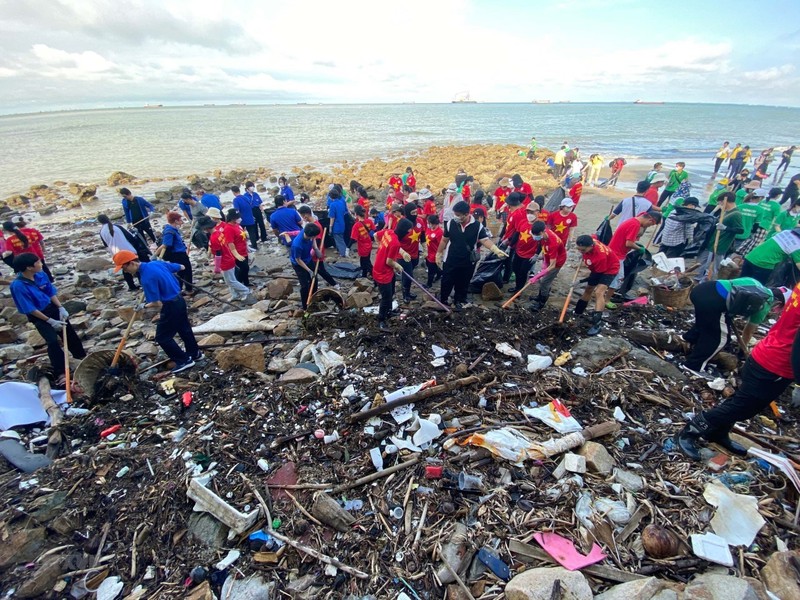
{"points": [[642, 589], [537, 584], [598, 460], [281, 365], [780, 576], [358, 300], [249, 356], [7, 335], [102, 293], [279, 288], [490, 292], [47, 507], [710, 586], [298, 375], [93, 263], [84, 281], [120, 178], [41, 581], [20, 546], [594, 352], [15, 352], [662, 368], [207, 530], [74, 306], [212, 339]]}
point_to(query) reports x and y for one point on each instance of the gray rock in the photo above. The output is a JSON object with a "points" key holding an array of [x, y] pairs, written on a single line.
{"points": [[298, 375], [710, 586], [780, 576], [537, 584], [102, 293], [642, 589], [84, 281], [20, 546], [47, 507], [97, 328], [39, 582], [93, 263], [15, 352], [207, 530], [74, 306], [660, 367], [594, 352], [7, 335], [254, 587]]}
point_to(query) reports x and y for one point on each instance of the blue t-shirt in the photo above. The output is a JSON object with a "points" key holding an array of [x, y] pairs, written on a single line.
{"points": [[157, 281], [287, 193], [211, 201], [32, 295], [254, 198], [172, 239], [243, 206], [187, 210], [301, 249], [337, 209], [286, 219]]}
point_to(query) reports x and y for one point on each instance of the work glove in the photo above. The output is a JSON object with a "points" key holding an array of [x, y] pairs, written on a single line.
{"points": [[721, 227], [63, 313], [57, 325], [499, 253], [795, 402], [141, 306], [406, 256]]}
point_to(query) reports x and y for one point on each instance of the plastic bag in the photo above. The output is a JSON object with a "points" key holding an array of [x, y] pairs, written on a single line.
{"points": [[490, 269], [217, 264], [556, 415], [538, 363], [508, 443], [604, 232]]}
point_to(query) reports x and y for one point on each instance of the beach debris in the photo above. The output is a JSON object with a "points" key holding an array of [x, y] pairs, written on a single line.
{"points": [[736, 519]]}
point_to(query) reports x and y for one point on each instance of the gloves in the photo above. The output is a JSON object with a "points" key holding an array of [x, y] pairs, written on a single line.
{"points": [[140, 306], [406, 256], [439, 261], [721, 227], [57, 325], [63, 313], [398, 269], [795, 402], [499, 253]]}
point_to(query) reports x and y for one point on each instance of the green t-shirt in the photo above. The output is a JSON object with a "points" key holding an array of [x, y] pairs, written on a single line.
{"points": [[750, 213], [740, 194], [728, 284], [785, 221], [769, 212], [769, 255], [675, 179], [732, 220], [712, 199], [667, 210]]}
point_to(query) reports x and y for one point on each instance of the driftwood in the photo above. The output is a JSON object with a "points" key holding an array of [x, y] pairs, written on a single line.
{"points": [[377, 475], [660, 340], [421, 395], [55, 440], [319, 555]]}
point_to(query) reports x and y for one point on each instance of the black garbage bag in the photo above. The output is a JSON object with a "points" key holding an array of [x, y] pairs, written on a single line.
{"points": [[604, 232], [785, 274], [489, 269], [705, 225], [344, 270], [635, 262], [554, 201]]}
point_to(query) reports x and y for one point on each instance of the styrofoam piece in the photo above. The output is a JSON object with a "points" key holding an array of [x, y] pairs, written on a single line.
{"points": [[207, 501], [712, 548]]}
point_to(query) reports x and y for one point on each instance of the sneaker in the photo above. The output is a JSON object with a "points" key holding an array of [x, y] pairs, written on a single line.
{"points": [[183, 366], [199, 356]]}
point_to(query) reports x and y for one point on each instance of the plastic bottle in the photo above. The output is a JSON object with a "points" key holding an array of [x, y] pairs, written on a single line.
{"points": [[408, 390]]}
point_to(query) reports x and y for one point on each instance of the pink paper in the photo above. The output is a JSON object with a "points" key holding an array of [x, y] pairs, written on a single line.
{"points": [[640, 300], [564, 552]]}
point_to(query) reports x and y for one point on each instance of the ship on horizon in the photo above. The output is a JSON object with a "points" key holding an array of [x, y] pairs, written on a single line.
{"points": [[463, 98], [644, 102]]}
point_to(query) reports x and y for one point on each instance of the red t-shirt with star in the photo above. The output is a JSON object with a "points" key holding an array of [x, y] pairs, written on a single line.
{"points": [[526, 246], [218, 243], [363, 240], [774, 352], [561, 224], [396, 183], [526, 189], [626, 232], [17, 246], [234, 233], [388, 248], [434, 237], [500, 195], [429, 208], [517, 221], [600, 259], [410, 242], [575, 192], [365, 203], [553, 249]]}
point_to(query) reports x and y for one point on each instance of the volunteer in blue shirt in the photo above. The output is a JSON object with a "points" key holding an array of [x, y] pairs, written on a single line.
{"points": [[255, 201], [174, 249], [300, 256], [285, 219], [245, 209], [285, 191], [35, 297], [337, 212], [185, 204], [137, 211], [208, 200], [162, 290]]}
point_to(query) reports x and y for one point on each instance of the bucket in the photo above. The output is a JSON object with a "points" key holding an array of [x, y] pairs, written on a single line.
{"points": [[91, 367], [673, 298]]}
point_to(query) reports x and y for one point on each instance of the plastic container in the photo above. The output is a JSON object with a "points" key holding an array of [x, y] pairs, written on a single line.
{"points": [[470, 483]]}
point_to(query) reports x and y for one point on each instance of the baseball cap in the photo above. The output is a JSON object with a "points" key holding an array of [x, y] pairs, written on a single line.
{"points": [[658, 178], [724, 181], [122, 258], [567, 202]]}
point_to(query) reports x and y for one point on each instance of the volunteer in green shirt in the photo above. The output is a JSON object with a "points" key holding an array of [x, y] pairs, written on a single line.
{"points": [[767, 211], [714, 303], [760, 262], [676, 177], [730, 227], [720, 188], [750, 213], [770, 208], [786, 220]]}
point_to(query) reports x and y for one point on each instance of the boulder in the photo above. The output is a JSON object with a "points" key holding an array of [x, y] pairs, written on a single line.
{"points": [[207, 530], [83, 281], [298, 375], [281, 365], [20, 546], [15, 352], [120, 178], [362, 284], [7, 335], [537, 584], [48, 507], [662, 368], [262, 305], [147, 349], [598, 460], [711, 586], [249, 356], [358, 300], [74, 306], [41, 581], [641, 589], [594, 352], [780, 576], [279, 288], [490, 292], [211, 339], [93, 263]]}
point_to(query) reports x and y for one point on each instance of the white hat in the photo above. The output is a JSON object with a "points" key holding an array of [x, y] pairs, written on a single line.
{"points": [[658, 178], [787, 293], [567, 202], [424, 194], [17, 219], [761, 192], [413, 197], [214, 213], [452, 186]]}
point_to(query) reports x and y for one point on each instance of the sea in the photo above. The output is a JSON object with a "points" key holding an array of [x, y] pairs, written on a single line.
{"points": [[86, 146]]}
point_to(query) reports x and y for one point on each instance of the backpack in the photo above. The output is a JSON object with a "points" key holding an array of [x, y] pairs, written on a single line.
{"points": [[747, 301]]}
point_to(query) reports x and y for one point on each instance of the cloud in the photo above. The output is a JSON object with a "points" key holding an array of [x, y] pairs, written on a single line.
{"points": [[72, 64], [769, 75]]}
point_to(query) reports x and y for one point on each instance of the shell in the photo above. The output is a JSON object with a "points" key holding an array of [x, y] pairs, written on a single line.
{"points": [[659, 542]]}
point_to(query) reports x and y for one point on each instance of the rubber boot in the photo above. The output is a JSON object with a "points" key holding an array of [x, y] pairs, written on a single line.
{"points": [[538, 304], [580, 306], [724, 439], [597, 323], [688, 437]]}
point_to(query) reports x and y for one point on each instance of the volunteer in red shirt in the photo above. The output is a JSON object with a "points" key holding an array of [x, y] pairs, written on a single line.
{"points": [[396, 182], [395, 213], [768, 371], [22, 240], [433, 237], [361, 233], [525, 248], [410, 245], [554, 255], [236, 239], [500, 195], [515, 224], [386, 265], [409, 179], [428, 203], [523, 188], [625, 239], [219, 249], [575, 192], [603, 268], [563, 221]]}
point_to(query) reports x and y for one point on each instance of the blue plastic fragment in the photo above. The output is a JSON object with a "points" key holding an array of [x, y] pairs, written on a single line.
{"points": [[497, 566]]}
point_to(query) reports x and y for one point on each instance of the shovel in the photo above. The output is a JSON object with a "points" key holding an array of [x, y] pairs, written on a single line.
{"points": [[115, 361], [66, 366], [316, 269], [427, 293], [531, 281], [569, 294]]}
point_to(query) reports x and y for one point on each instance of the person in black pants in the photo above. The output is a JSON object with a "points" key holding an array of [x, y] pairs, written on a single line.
{"points": [[36, 298], [458, 253], [772, 366], [255, 201], [300, 254], [174, 250], [137, 211]]}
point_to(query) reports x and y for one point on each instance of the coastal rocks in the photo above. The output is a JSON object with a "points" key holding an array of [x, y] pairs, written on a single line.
{"points": [[660, 367], [598, 460], [710, 586], [74, 306], [594, 352], [490, 292], [279, 288], [249, 356], [120, 178], [641, 589], [298, 375], [83, 281], [7, 335], [102, 293], [42, 580], [537, 584], [15, 352], [780, 575], [93, 263], [358, 300], [20, 546], [212, 339]]}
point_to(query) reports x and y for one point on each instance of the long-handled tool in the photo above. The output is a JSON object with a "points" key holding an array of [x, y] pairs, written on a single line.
{"points": [[67, 381], [206, 292], [569, 294], [115, 361], [531, 281], [425, 291], [710, 274], [316, 269]]}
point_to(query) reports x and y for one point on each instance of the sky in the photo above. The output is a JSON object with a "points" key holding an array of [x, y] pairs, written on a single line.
{"points": [[73, 54]]}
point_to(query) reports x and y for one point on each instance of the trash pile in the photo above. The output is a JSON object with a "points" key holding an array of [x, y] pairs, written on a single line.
{"points": [[474, 455]]}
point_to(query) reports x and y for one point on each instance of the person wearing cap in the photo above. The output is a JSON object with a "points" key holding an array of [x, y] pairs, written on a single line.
{"points": [[760, 262], [634, 205], [301, 251], [742, 180], [184, 204], [652, 193], [37, 298], [676, 234], [409, 244], [285, 219], [720, 241], [208, 200], [771, 367], [500, 194], [554, 255], [22, 240], [428, 202], [524, 246], [137, 211], [458, 253], [173, 249], [451, 197], [162, 292], [225, 255], [255, 202], [563, 221], [721, 156], [516, 223], [603, 268]]}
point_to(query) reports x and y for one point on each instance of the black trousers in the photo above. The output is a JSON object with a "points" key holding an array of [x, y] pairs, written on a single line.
{"points": [[146, 228], [252, 233], [323, 272], [456, 278], [387, 295], [717, 164], [759, 387], [710, 331], [185, 276], [366, 266], [521, 267], [673, 251], [434, 272], [174, 319], [507, 265], [304, 277], [262, 228], [664, 196], [408, 267], [53, 339], [758, 273], [242, 271]]}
